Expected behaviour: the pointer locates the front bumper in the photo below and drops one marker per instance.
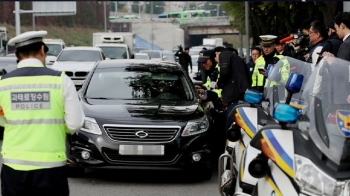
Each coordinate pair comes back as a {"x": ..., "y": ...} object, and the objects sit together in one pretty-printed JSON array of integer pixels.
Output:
[{"x": 104, "y": 153}]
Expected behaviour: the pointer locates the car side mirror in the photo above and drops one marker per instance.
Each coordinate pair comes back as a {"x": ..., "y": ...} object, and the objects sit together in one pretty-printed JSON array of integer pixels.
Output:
[
  {"x": 107, "y": 59},
  {"x": 164, "y": 57}
]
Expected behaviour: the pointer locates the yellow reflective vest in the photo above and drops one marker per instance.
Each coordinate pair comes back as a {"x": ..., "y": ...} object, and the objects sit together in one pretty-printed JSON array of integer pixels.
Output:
[
  {"x": 258, "y": 79},
  {"x": 35, "y": 129},
  {"x": 208, "y": 83}
]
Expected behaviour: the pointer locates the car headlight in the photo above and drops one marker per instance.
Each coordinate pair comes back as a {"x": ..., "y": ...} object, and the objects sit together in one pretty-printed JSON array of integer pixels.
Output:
[
  {"x": 90, "y": 126},
  {"x": 195, "y": 127},
  {"x": 315, "y": 181}
]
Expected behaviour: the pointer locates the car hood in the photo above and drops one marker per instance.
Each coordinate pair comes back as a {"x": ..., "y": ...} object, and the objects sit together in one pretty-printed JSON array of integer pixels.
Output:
[
  {"x": 141, "y": 110},
  {"x": 73, "y": 65}
]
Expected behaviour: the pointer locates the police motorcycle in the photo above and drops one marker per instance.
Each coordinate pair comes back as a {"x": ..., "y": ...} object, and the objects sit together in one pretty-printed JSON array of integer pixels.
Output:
[
  {"x": 308, "y": 158},
  {"x": 234, "y": 178}
]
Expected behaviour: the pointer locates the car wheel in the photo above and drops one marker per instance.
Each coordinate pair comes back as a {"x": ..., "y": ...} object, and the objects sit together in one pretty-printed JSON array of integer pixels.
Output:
[
  {"x": 75, "y": 172},
  {"x": 203, "y": 175}
]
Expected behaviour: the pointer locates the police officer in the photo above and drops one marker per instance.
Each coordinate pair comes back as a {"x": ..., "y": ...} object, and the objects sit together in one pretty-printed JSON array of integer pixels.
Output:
[
  {"x": 40, "y": 107},
  {"x": 269, "y": 57}
]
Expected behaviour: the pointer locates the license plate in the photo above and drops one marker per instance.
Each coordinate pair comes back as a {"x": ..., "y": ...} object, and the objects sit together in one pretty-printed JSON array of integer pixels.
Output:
[
  {"x": 141, "y": 149},
  {"x": 78, "y": 82}
]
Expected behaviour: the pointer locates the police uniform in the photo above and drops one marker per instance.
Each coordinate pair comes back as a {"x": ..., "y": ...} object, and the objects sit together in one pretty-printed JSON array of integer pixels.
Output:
[
  {"x": 40, "y": 106},
  {"x": 259, "y": 81},
  {"x": 203, "y": 57}
]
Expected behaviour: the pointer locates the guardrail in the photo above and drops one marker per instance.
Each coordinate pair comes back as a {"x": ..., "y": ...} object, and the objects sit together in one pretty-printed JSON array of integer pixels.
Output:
[{"x": 221, "y": 20}]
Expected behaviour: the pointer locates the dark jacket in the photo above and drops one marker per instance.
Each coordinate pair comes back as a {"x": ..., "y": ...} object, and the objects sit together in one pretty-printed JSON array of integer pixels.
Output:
[
  {"x": 320, "y": 43},
  {"x": 344, "y": 50},
  {"x": 332, "y": 45},
  {"x": 184, "y": 59},
  {"x": 251, "y": 66},
  {"x": 234, "y": 77}
]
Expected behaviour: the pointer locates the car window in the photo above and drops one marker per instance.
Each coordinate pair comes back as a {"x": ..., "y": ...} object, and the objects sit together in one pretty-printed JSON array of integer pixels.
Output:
[
  {"x": 118, "y": 83},
  {"x": 54, "y": 49},
  {"x": 115, "y": 52},
  {"x": 152, "y": 54},
  {"x": 80, "y": 55},
  {"x": 141, "y": 57}
]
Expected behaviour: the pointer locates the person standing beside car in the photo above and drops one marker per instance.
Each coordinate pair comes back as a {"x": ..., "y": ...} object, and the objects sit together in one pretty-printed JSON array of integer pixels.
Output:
[
  {"x": 184, "y": 59},
  {"x": 40, "y": 107},
  {"x": 234, "y": 81}
]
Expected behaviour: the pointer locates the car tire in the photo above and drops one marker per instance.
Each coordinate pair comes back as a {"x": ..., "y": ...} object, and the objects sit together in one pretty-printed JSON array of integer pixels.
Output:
[
  {"x": 75, "y": 172},
  {"x": 203, "y": 175}
]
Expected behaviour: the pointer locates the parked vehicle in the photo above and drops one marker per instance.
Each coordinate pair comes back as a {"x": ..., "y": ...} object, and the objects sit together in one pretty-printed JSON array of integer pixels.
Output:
[{"x": 142, "y": 114}]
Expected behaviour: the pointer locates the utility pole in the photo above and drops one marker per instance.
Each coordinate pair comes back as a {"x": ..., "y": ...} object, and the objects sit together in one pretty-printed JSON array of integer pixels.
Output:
[
  {"x": 247, "y": 30},
  {"x": 17, "y": 18},
  {"x": 116, "y": 8},
  {"x": 104, "y": 9},
  {"x": 152, "y": 23},
  {"x": 217, "y": 10},
  {"x": 33, "y": 19}
]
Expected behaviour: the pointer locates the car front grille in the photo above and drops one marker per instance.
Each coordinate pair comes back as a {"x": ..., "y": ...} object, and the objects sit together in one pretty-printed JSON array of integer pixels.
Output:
[
  {"x": 114, "y": 157},
  {"x": 77, "y": 74},
  {"x": 148, "y": 133}
]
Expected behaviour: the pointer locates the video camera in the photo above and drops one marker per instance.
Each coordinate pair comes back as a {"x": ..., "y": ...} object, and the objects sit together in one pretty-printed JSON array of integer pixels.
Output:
[{"x": 303, "y": 41}]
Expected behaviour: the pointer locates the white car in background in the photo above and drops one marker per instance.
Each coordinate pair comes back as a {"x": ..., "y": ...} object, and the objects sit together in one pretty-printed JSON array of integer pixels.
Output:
[
  {"x": 77, "y": 62},
  {"x": 141, "y": 56},
  {"x": 168, "y": 56},
  {"x": 154, "y": 54}
]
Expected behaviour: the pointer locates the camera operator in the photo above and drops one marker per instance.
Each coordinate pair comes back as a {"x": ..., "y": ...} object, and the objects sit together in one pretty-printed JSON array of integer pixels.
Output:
[{"x": 301, "y": 44}]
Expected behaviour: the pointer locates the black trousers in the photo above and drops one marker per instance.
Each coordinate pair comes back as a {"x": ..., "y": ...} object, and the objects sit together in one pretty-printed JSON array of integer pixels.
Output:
[{"x": 43, "y": 182}]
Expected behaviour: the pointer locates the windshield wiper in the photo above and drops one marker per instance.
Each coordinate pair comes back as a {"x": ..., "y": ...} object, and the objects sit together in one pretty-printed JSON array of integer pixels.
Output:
[{"x": 159, "y": 106}]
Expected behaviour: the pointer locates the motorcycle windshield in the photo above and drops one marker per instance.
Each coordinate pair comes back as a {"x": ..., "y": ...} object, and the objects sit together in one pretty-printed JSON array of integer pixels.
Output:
[
  {"x": 327, "y": 92},
  {"x": 277, "y": 77}
]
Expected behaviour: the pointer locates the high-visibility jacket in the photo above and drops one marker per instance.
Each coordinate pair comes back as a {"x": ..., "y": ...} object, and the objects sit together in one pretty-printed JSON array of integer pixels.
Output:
[
  {"x": 218, "y": 91},
  {"x": 208, "y": 83},
  {"x": 35, "y": 131},
  {"x": 259, "y": 79}
]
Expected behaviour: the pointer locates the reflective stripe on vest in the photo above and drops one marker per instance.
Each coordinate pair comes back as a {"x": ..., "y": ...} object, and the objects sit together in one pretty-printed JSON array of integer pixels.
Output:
[
  {"x": 35, "y": 163},
  {"x": 35, "y": 129}
]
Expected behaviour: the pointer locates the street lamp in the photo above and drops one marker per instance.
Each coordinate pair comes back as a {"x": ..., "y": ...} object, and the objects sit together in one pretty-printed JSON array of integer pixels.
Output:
[{"x": 217, "y": 9}]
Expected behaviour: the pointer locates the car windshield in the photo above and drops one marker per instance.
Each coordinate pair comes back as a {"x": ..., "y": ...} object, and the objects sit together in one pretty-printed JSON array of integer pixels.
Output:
[
  {"x": 138, "y": 56},
  {"x": 8, "y": 63},
  {"x": 54, "y": 49},
  {"x": 124, "y": 83},
  {"x": 80, "y": 55},
  {"x": 327, "y": 93},
  {"x": 153, "y": 54},
  {"x": 115, "y": 52}
]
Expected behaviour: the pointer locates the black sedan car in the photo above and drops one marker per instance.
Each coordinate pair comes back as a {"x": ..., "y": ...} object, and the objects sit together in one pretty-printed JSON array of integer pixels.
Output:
[{"x": 142, "y": 114}]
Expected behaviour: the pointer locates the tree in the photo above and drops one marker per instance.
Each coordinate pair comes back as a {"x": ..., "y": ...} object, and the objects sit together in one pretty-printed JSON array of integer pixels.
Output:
[
  {"x": 279, "y": 18},
  {"x": 135, "y": 7},
  {"x": 158, "y": 7}
]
